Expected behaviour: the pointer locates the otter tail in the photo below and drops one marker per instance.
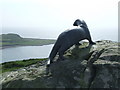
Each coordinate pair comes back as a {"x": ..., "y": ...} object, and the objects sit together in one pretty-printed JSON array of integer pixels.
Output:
[{"x": 53, "y": 52}]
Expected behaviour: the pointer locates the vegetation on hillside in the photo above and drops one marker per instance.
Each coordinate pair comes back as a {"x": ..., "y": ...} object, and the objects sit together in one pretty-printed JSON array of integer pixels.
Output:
[{"x": 16, "y": 40}]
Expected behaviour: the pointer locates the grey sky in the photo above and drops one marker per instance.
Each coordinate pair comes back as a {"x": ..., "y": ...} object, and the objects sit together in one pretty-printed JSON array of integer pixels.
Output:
[{"x": 48, "y": 18}]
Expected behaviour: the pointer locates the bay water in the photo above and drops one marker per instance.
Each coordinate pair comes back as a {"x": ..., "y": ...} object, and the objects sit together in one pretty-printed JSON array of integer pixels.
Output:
[{"x": 25, "y": 52}]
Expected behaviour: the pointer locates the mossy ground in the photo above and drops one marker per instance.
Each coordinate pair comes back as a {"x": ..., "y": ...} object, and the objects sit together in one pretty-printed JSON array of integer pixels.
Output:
[{"x": 14, "y": 65}]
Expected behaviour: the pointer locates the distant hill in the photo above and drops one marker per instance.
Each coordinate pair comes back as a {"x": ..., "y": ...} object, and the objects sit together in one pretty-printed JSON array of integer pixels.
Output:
[{"x": 8, "y": 40}]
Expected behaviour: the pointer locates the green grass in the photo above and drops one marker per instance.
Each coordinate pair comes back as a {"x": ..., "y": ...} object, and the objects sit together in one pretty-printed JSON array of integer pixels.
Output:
[{"x": 14, "y": 65}]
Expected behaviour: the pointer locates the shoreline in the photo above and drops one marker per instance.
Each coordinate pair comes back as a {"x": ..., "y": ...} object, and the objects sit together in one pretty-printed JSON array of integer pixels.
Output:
[
  {"x": 12, "y": 46},
  {"x": 4, "y": 47}
]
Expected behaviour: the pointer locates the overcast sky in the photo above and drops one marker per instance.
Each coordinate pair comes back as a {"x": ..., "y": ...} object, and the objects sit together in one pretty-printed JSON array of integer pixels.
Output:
[{"x": 48, "y": 18}]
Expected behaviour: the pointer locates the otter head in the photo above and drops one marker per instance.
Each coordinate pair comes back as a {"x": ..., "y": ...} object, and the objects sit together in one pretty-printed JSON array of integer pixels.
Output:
[
  {"x": 83, "y": 24},
  {"x": 77, "y": 22},
  {"x": 80, "y": 23}
]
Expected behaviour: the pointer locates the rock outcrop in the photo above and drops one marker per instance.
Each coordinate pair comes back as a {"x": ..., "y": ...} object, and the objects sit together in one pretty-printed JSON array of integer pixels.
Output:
[{"x": 96, "y": 66}]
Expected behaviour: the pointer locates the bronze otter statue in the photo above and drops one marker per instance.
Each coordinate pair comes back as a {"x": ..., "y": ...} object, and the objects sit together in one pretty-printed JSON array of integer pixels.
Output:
[{"x": 69, "y": 38}]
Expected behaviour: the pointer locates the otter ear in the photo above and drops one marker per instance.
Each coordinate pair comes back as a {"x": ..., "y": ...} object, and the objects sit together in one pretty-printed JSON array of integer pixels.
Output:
[{"x": 84, "y": 23}]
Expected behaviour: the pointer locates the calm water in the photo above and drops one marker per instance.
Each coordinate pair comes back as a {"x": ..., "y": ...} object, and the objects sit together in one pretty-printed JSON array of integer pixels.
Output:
[{"x": 25, "y": 52}]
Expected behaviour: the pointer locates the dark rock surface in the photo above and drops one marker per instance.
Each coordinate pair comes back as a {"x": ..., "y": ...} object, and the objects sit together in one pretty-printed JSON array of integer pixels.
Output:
[{"x": 96, "y": 66}]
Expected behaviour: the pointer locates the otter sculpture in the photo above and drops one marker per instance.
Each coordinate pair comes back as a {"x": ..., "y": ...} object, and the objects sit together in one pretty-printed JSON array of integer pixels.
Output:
[{"x": 69, "y": 38}]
